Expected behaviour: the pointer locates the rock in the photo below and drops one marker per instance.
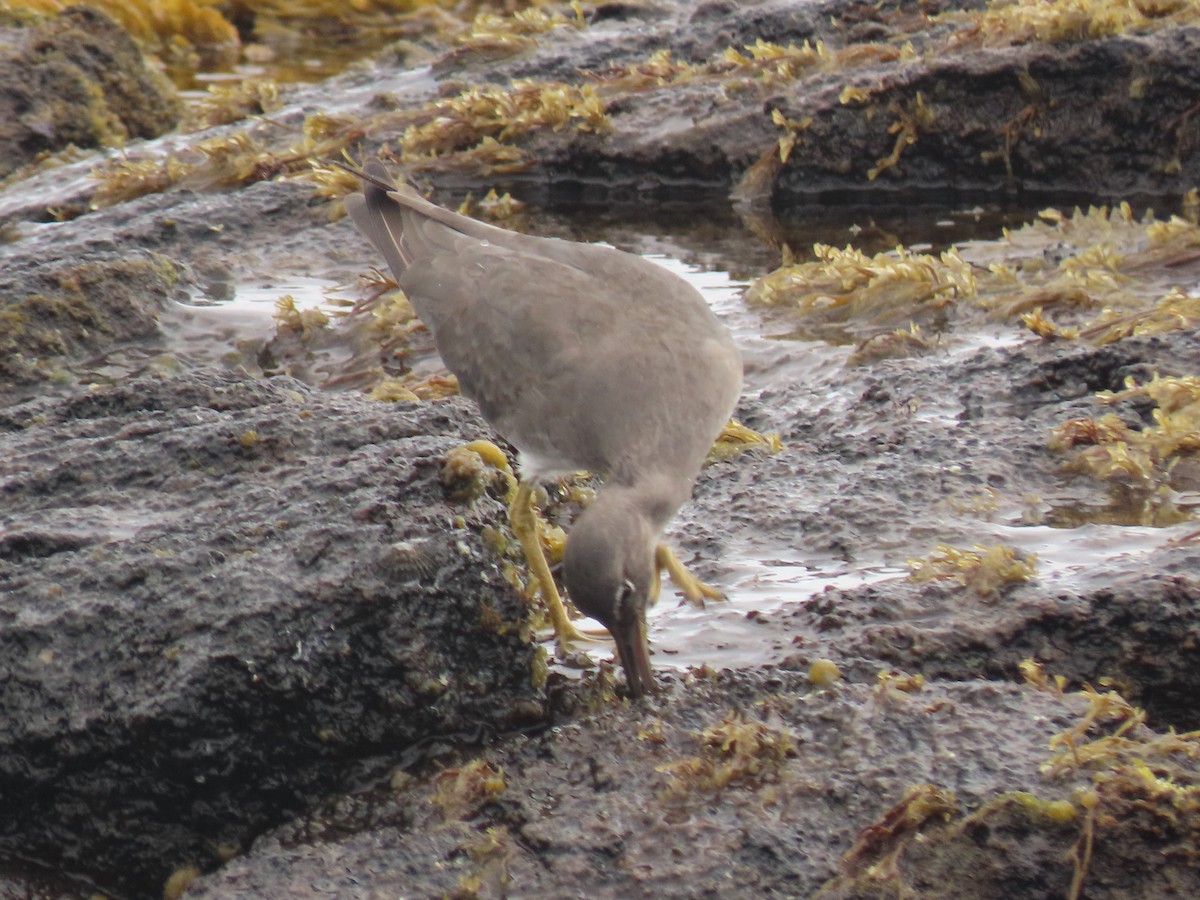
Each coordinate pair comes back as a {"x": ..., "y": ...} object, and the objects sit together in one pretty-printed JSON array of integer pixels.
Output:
[
  {"x": 744, "y": 785},
  {"x": 79, "y": 79},
  {"x": 217, "y": 596},
  {"x": 55, "y": 312},
  {"x": 770, "y": 99},
  {"x": 252, "y": 582}
]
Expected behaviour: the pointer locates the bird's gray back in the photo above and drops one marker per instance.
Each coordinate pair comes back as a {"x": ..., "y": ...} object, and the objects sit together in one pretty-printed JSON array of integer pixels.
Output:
[{"x": 583, "y": 356}]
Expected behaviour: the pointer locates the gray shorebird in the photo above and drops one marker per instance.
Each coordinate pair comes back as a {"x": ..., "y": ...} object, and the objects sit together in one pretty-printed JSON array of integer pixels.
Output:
[{"x": 584, "y": 358}]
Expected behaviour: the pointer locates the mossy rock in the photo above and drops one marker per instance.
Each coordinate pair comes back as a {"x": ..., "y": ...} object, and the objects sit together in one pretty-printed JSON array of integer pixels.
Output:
[
  {"x": 77, "y": 79},
  {"x": 64, "y": 310}
]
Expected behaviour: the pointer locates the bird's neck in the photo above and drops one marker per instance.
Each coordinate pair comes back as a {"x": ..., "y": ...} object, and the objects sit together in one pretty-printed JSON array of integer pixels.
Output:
[{"x": 654, "y": 497}]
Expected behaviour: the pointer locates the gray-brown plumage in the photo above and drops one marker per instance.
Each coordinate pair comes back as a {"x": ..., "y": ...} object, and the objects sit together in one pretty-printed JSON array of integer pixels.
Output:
[{"x": 583, "y": 357}]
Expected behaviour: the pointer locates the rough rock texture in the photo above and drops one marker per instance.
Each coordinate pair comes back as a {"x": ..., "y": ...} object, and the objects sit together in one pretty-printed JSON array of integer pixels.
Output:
[
  {"x": 76, "y": 79},
  {"x": 965, "y": 109},
  {"x": 743, "y": 785},
  {"x": 241, "y": 624},
  {"x": 984, "y": 424},
  {"x": 635, "y": 801},
  {"x": 215, "y": 595},
  {"x": 55, "y": 310},
  {"x": 80, "y": 294},
  {"x": 904, "y": 102},
  {"x": 1140, "y": 628},
  {"x": 1101, "y": 118}
]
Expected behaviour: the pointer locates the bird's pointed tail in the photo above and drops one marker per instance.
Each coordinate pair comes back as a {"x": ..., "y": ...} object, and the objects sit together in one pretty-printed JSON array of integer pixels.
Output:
[{"x": 377, "y": 215}]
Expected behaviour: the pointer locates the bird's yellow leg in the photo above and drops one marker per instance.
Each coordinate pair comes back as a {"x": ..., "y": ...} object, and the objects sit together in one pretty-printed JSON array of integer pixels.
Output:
[
  {"x": 524, "y": 522},
  {"x": 528, "y": 528},
  {"x": 693, "y": 588}
]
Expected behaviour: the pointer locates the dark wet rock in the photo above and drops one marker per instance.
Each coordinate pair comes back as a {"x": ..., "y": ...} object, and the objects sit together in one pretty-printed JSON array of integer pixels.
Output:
[
  {"x": 650, "y": 801},
  {"x": 1141, "y": 629},
  {"x": 962, "y": 114},
  {"x": 894, "y": 784},
  {"x": 1033, "y": 118},
  {"x": 79, "y": 296},
  {"x": 979, "y": 426},
  {"x": 79, "y": 79},
  {"x": 218, "y": 595}
]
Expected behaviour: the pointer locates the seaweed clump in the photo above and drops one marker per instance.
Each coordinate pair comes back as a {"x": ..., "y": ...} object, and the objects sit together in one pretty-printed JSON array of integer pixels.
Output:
[
  {"x": 847, "y": 295},
  {"x": 475, "y": 129},
  {"x": 1144, "y": 785},
  {"x": 738, "y": 750},
  {"x": 1096, "y": 275},
  {"x": 189, "y": 34},
  {"x": 984, "y": 570},
  {"x": 877, "y": 850},
  {"x": 225, "y": 104},
  {"x": 466, "y": 121},
  {"x": 1105, "y": 258},
  {"x": 493, "y": 36},
  {"x": 1118, "y": 815},
  {"x": 1160, "y": 454},
  {"x": 229, "y": 159},
  {"x": 1021, "y": 21}
]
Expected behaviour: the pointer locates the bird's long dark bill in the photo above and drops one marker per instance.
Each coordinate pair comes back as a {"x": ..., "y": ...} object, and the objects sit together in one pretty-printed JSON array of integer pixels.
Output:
[{"x": 635, "y": 658}]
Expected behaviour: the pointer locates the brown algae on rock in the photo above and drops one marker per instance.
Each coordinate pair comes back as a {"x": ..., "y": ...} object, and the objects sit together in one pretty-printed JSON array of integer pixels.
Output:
[
  {"x": 1103, "y": 259},
  {"x": 1144, "y": 790},
  {"x": 459, "y": 792},
  {"x": 739, "y": 750},
  {"x": 61, "y": 311},
  {"x": 1147, "y": 463},
  {"x": 984, "y": 570},
  {"x": 463, "y": 122},
  {"x": 1071, "y": 269},
  {"x": 76, "y": 79}
]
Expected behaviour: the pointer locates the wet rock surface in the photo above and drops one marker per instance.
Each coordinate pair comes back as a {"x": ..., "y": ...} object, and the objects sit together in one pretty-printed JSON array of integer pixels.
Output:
[
  {"x": 57, "y": 310},
  {"x": 905, "y": 442},
  {"x": 246, "y": 635},
  {"x": 217, "y": 595},
  {"x": 905, "y": 99},
  {"x": 634, "y": 801}
]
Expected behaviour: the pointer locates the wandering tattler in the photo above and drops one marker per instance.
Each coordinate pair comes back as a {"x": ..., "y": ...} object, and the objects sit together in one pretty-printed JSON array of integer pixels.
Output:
[{"x": 584, "y": 358}]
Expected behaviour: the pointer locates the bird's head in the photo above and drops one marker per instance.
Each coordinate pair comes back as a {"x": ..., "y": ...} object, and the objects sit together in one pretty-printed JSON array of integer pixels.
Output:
[{"x": 609, "y": 570}]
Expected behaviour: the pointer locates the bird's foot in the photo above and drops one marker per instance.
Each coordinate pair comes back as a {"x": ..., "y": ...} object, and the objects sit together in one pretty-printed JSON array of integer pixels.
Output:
[
  {"x": 693, "y": 588},
  {"x": 566, "y": 634}
]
